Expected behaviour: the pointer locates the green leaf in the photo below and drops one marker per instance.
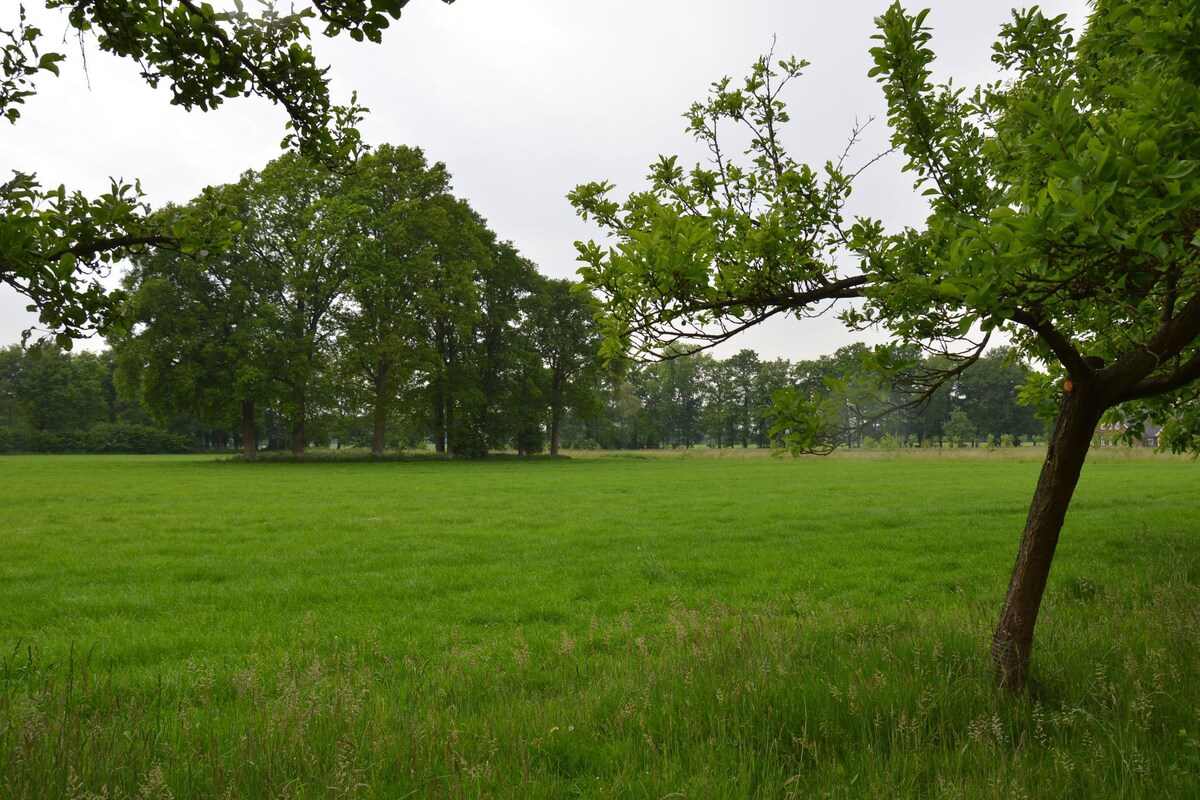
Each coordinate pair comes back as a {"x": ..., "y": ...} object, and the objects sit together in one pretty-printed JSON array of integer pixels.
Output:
[{"x": 1147, "y": 152}]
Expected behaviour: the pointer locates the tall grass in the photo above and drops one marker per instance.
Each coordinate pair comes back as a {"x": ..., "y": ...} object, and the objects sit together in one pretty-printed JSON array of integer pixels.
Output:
[{"x": 598, "y": 628}]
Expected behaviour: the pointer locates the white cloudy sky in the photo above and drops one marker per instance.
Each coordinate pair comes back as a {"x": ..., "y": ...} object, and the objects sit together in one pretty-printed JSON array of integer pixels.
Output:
[{"x": 522, "y": 99}]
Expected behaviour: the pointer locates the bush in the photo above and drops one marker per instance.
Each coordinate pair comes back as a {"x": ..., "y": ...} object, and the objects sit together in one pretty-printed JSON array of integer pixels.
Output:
[
  {"x": 103, "y": 438},
  {"x": 890, "y": 441},
  {"x": 121, "y": 438},
  {"x": 14, "y": 440}
]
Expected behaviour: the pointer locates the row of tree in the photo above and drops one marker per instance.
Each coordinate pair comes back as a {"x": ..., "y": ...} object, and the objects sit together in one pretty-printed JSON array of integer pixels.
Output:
[
  {"x": 699, "y": 399},
  {"x": 371, "y": 294},
  {"x": 55, "y": 401}
]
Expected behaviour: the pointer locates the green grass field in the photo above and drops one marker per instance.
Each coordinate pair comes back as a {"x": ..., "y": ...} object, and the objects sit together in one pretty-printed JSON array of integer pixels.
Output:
[{"x": 601, "y": 626}]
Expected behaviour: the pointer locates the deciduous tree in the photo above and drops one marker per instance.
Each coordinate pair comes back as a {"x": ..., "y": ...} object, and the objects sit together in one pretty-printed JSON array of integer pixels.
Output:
[
  {"x": 395, "y": 244},
  {"x": 1064, "y": 205},
  {"x": 562, "y": 329}
]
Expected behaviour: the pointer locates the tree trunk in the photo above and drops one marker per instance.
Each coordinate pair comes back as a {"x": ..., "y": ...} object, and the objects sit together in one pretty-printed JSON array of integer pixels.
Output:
[
  {"x": 555, "y": 420},
  {"x": 1065, "y": 454},
  {"x": 298, "y": 437},
  {"x": 249, "y": 438},
  {"x": 439, "y": 425},
  {"x": 298, "y": 426},
  {"x": 379, "y": 429}
]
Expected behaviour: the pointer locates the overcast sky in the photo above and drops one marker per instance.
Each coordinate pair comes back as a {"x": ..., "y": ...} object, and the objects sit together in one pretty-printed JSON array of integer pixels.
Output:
[{"x": 522, "y": 99}]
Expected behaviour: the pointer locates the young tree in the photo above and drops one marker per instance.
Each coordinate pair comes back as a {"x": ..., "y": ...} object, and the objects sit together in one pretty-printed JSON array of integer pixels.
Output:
[
  {"x": 58, "y": 243},
  {"x": 1064, "y": 207},
  {"x": 959, "y": 429}
]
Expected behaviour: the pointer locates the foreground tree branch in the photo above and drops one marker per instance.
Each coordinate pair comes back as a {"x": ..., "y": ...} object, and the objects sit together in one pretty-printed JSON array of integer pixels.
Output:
[{"x": 58, "y": 245}]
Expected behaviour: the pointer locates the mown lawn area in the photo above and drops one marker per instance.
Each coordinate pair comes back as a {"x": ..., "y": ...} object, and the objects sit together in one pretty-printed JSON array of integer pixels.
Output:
[{"x": 599, "y": 626}]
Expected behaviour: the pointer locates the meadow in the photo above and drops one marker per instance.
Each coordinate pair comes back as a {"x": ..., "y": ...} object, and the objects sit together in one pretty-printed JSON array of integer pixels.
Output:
[{"x": 631, "y": 625}]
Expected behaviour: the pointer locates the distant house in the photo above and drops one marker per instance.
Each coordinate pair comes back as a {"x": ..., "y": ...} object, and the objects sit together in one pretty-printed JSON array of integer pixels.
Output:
[{"x": 1108, "y": 432}]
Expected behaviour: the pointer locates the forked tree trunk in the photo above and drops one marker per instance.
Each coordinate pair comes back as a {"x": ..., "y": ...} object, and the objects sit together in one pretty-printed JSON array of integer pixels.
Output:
[
  {"x": 249, "y": 439},
  {"x": 1065, "y": 454}
]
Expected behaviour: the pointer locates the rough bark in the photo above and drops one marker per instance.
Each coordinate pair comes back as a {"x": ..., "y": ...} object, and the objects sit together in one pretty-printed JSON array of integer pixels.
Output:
[
  {"x": 249, "y": 438},
  {"x": 379, "y": 428},
  {"x": 1065, "y": 454}
]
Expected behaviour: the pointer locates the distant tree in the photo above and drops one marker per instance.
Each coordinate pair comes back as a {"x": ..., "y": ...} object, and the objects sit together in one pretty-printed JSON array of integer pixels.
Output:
[
  {"x": 51, "y": 390},
  {"x": 959, "y": 428},
  {"x": 988, "y": 394},
  {"x": 202, "y": 340},
  {"x": 396, "y": 237},
  {"x": 1063, "y": 210},
  {"x": 719, "y": 417},
  {"x": 12, "y": 363},
  {"x": 743, "y": 369},
  {"x": 772, "y": 377},
  {"x": 561, "y": 327}
]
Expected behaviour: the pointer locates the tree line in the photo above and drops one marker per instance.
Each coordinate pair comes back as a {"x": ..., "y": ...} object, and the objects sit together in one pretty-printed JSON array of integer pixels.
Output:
[
  {"x": 698, "y": 399},
  {"x": 54, "y": 401}
]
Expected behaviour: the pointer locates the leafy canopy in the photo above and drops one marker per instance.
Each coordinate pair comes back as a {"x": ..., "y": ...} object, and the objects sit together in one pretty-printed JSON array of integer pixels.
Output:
[{"x": 55, "y": 244}]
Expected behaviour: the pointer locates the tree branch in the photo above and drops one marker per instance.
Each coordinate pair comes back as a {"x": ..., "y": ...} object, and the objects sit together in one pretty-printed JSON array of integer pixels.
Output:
[
  {"x": 1060, "y": 345},
  {"x": 1186, "y": 373}
]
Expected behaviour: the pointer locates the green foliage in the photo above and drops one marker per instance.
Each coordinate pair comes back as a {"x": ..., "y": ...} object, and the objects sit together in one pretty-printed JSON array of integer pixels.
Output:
[
  {"x": 55, "y": 244},
  {"x": 960, "y": 430},
  {"x": 57, "y": 402},
  {"x": 350, "y": 301}
]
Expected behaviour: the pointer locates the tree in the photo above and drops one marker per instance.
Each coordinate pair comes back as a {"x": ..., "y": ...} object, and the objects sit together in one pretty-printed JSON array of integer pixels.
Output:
[
  {"x": 720, "y": 410},
  {"x": 202, "y": 337},
  {"x": 959, "y": 428},
  {"x": 1063, "y": 210},
  {"x": 562, "y": 328},
  {"x": 57, "y": 244},
  {"x": 296, "y": 232},
  {"x": 49, "y": 390},
  {"x": 504, "y": 399},
  {"x": 988, "y": 392},
  {"x": 395, "y": 241}
]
